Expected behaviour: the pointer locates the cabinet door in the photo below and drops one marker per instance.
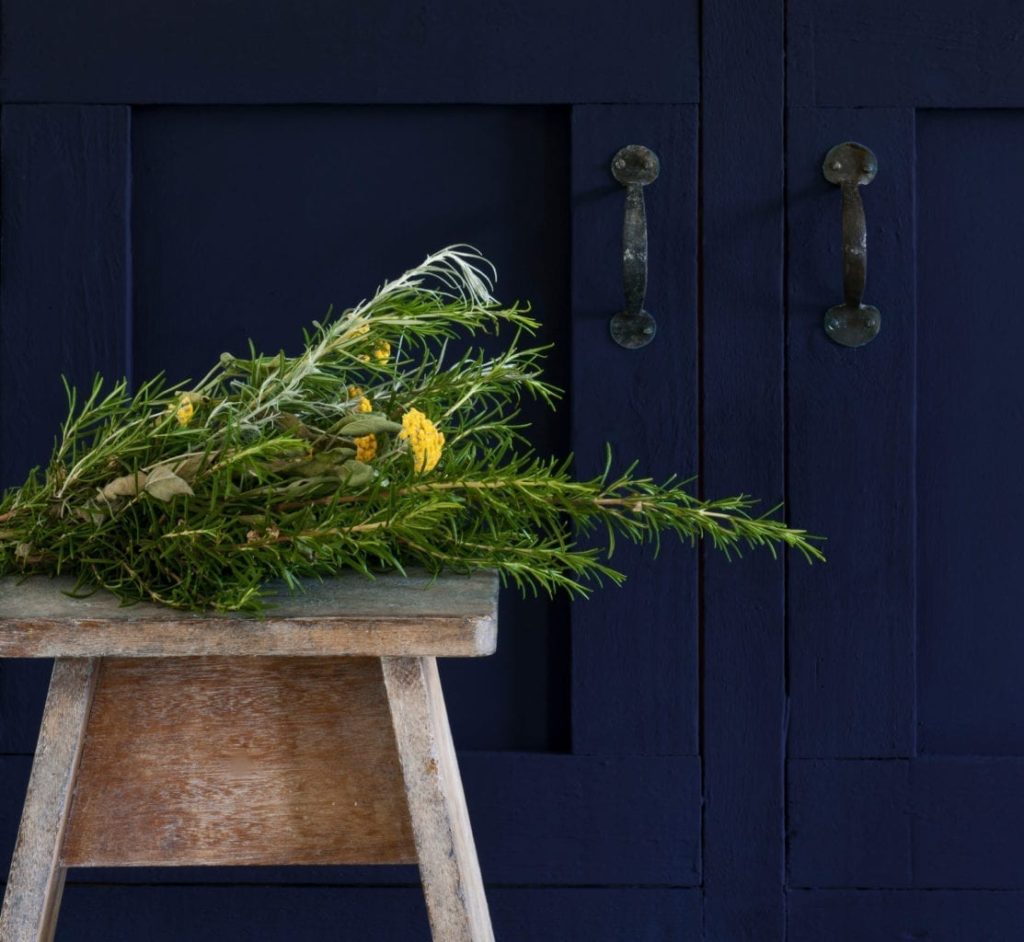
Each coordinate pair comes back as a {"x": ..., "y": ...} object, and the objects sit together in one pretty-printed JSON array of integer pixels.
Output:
[
  {"x": 906, "y": 735},
  {"x": 180, "y": 178}
]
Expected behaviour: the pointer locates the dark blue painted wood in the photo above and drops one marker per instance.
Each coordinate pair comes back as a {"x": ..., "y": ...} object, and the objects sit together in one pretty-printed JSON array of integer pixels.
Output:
[
  {"x": 902, "y": 658},
  {"x": 915, "y": 53},
  {"x": 634, "y": 651},
  {"x": 269, "y": 51},
  {"x": 64, "y": 254},
  {"x": 742, "y": 450},
  {"x": 850, "y": 427},
  {"x": 538, "y": 819},
  {"x": 294, "y": 914},
  {"x": 22, "y": 693},
  {"x": 856, "y": 916},
  {"x": 971, "y": 700},
  {"x": 924, "y": 823},
  {"x": 849, "y": 823}
]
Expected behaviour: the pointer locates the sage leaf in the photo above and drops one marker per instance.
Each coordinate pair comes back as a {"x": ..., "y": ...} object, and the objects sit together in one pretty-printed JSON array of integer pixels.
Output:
[
  {"x": 369, "y": 424},
  {"x": 356, "y": 474}
]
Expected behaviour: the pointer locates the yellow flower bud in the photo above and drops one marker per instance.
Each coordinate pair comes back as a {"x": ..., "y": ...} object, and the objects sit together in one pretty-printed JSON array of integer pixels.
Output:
[{"x": 185, "y": 411}]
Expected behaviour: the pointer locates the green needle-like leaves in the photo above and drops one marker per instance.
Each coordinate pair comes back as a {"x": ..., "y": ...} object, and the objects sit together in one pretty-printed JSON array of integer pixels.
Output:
[{"x": 373, "y": 448}]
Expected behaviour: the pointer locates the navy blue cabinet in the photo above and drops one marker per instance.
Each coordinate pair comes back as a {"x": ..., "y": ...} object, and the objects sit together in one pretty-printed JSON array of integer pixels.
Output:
[
  {"x": 905, "y": 749},
  {"x": 747, "y": 750}
]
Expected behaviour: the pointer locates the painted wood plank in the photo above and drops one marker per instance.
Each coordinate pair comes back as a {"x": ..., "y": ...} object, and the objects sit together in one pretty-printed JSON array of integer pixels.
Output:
[
  {"x": 566, "y": 819},
  {"x": 36, "y": 877},
  {"x": 268, "y": 51},
  {"x": 928, "y": 823},
  {"x": 850, "y": 428},
  {"x": 213, "y": 914},
  {"x": 452, "y": 884},
  {"x": 64, "y": 305},
  {"x": 854, "y": 916},
  {"x": 239, "y": 761},
  {"x": 742, "y": 450},
  {"x": 533, "y": 820},
  {"x": 344, "y": 615},
  {"x": 970, "y": 645},
  {"x": 23, "y": 685},
  {"x": 634, "y": 651},
  {"x": 848, "y": 823},
  {"x": 918, "y": 53}
]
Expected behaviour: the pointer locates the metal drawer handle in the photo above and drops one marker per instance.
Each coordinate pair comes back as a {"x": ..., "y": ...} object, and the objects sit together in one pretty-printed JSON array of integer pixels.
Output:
[
  {"x": 634, "y": 167},
  {"x": 852, "y": 323}
]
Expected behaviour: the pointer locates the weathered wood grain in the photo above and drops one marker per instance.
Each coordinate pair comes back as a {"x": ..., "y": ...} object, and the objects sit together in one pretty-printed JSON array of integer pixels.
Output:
[
  {"x": 239, "y": 761},
  {"x": 448, "y": 863},
  {"x": 451, "y": 616},
  {"x": 36, "y": 878}
]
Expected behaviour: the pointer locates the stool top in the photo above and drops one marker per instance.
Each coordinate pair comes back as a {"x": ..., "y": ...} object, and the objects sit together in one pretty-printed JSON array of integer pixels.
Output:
[{"x": 389, "y": 615}]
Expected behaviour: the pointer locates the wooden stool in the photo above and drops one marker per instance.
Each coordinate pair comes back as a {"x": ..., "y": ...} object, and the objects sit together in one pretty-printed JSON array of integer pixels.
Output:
[{"x": 315, "y": 735}]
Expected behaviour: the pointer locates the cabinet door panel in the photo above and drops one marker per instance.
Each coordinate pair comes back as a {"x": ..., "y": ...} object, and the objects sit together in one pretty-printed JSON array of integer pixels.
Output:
[{"x": 906, "y": 743}]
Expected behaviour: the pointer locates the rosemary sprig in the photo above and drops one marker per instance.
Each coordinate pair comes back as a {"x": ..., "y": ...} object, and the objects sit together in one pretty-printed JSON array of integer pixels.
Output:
[{"x": 373, "y": 448}]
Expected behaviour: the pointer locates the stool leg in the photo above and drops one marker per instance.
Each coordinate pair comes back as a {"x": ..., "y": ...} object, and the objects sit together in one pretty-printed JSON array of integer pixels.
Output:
[
  {"x": 449, "y": 869},
  {"x": 36, "y": 879}
]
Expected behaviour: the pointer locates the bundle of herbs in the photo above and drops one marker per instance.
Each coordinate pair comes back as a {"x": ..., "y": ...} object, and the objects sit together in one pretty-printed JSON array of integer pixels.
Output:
[{"x": 373, "y": 448}]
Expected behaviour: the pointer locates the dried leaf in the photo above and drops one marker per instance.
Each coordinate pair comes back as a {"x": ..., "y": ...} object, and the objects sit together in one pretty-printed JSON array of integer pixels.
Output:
[
  {"x": 127, "y": 486},
  {"x": 189, "y": 468},
  {"x": 163, "y": 484}
]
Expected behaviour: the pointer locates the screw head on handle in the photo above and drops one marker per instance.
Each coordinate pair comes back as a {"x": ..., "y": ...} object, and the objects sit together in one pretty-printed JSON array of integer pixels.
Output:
[
  {"x": 851, "y": 325},
  {"x": 635, "y": 164}
]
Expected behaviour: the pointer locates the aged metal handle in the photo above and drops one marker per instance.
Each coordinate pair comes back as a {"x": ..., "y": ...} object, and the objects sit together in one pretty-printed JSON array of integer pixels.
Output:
[
  {"x": 634, "y": 167},
  {"x": 852, "y": 323}
]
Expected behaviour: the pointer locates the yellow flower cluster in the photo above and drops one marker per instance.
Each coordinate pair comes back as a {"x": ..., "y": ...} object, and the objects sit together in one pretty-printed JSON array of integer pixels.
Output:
[
  {"x": 366, "y": 445},
  {"x": 364, "y": 404},
  {"x": 186, "y": 409},
  {"x": 425, "y": 440},
  {"x": 381, "y": 353}
]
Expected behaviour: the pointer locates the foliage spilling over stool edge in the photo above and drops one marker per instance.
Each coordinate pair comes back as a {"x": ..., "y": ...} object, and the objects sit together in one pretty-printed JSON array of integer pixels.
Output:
[{"x": 374, "y": 447}]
